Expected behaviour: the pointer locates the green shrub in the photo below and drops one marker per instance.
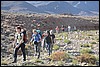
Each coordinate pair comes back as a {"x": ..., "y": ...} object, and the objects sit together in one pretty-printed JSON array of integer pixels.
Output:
[
  {"x": 59, "y": 55},
  {"x": 67, "y": 41},
  {"x": 93, "y": 43},
  {"x": 87, "y": 58},
  {"x": 97, "y": 39},
  {"x": 38, "y": 61},
  {"x": 86, "y": 45},
  {"x": 97, "y": 58},
  {"x": 4, "y": 62},
  {"x": 58, "y": 38},
  {"x": 90, "y": 35},
  {"x": 74, "y": 61},
  {"x": 85, "y": 50},
  {"x": 55, "y": 47}
]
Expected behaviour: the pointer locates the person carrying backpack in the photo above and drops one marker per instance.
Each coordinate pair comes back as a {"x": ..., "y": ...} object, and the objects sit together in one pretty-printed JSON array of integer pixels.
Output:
[
  {"x": 36, "y": 39},
  {"x": 19, "y": 43},
  {"x": 49, "y": 42}
]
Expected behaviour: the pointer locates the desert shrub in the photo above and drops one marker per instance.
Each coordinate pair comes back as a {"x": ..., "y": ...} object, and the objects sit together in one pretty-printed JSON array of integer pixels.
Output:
[
  {"x": 59, "y": 55},
  {"x": 74, "y": 61},
  {"x": 85, "y": 50},
  {"x": 87, "y": 58},
  {"x": 65, "y": 34},
  {"x": 90, "y": 35},
  {"x": 93, "y": 42},
  {"x": 67, "y": 41},
  {"x": 86, "y": 45},
  {"x": 60, "y": 63},
  {"x": 97, "y": 58},
  {"x": 56, "y": 47},
  {"x": 59, "y": 38},
  {"x": 4, "y": 62},
  {"x": 38, "y": 61},
  {"x": 97, "y": 39}
]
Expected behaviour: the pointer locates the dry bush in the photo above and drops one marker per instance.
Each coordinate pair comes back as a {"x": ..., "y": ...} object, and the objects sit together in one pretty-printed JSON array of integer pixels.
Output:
[
  {"x": 59, "y": 55},
  {"x": 88, "y": 58}
]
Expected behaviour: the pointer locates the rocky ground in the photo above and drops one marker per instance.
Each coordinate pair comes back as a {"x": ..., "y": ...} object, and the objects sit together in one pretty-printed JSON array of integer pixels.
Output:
[
  {"x": 71, "y": 43},
  {"x": 73, "y": 48}
]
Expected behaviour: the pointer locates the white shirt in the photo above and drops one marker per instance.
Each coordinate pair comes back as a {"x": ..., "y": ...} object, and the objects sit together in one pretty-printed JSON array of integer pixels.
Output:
[{"x": 18, "y": 36}]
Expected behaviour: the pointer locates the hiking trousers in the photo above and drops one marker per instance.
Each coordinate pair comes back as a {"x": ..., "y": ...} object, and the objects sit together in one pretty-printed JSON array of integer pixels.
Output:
[
  {"x": 37, "y": 48},
  {"x": 49, "y": 48},
  {"x": 23, "y": 52}
]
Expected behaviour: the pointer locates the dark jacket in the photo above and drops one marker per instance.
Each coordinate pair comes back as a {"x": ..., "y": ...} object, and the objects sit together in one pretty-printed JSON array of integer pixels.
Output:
[{"x": 48, "y": 39}]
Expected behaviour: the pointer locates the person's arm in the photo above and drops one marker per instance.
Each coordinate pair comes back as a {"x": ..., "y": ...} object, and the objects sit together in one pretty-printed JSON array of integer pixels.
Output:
[
  {"x": 15, "y": 40},
  {"x": 30, "y": 42},
  {"x": 54, "y": 38},
  {"x": 32, "y": 39},
  {"x": 40, "y": 37}
]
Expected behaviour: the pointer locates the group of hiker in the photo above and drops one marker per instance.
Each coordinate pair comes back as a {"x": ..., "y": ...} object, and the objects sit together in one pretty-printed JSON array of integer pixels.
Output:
[
  {"x": 38, "y": 39},
  {"x": 64, "y": 28}
]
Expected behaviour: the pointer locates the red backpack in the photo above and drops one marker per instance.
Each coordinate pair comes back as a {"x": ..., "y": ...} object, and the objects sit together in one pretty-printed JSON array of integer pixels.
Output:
[{"x": 25, "y": 37}]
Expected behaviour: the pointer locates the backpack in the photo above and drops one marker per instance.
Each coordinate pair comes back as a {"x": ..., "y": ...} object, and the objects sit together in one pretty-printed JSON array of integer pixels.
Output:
[
  {"x": 35, "y": 42},
  {"x": 39, "y": 32},
  {"x": 25, "y": 36}
]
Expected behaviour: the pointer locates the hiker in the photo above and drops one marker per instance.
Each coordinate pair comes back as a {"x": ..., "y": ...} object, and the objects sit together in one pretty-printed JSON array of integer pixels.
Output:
[
  {"x": 69, "y": 28},
  {"x": 18, "y": 42},
  {"x": 49, "y": 42},
  {"x": 52, "y": 36},
  {"x": 74, "y": 28},
  {"x": 57, "y": 29},
  {"x": 62, "y": 28},
  {"x": 36, "y": 39}
]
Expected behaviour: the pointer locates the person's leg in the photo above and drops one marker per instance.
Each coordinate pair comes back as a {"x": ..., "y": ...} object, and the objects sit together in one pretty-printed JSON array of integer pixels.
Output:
[
  {"x": 39, "y": 49},
  {"x": 23, "y": 51},
  {"x": 49, "y": 48},
  {"x": 35, "y": 49},
  {"x": 15, "y": 54}
]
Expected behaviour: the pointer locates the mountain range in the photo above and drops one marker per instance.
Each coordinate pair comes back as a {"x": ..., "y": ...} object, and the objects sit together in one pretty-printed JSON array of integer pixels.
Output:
[{"x": 55, "y": 7}]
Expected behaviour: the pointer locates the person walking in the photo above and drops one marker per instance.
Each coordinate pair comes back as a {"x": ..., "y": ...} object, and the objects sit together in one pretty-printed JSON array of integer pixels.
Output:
[
  {"x": 36, "y": 39},
  {"x": 19, "y": 43},
  {"x": 49, "y": 42},
  {"x": 57, "y": 29}
]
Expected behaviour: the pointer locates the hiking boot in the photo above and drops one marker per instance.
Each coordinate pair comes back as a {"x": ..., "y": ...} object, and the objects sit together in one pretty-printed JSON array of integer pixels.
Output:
[
  {"x": 38, "y": 57},
  {"x": 35, "y": 54},
  {"x": 14, "y": 62},
  {"x": 24, "y": 59}
]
